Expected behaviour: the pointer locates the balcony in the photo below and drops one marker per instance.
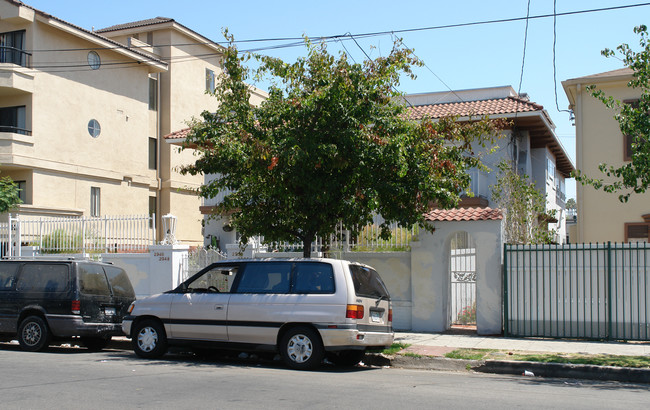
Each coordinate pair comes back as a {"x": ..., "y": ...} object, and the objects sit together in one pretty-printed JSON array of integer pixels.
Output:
[{"x": 14, "y": 80}]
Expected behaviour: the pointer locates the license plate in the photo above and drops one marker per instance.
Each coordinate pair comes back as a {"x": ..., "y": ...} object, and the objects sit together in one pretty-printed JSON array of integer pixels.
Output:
[
  {"x": 109, "y": 311},
  {"x": 375, "y": 315}
]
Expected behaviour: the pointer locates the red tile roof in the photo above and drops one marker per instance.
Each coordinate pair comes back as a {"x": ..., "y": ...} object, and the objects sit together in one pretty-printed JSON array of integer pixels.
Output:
[
  {"x": 508, "y": 105},
  {"x": 464, "y": 214},
  {"x": 134, "y": 24},
  {"x": 178, "y": 134}
]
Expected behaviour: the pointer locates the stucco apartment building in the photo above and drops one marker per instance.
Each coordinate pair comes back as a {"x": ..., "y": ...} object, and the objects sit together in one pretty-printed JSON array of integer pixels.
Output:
[
  {"x": 529, "y": 144},
  {"x": 601, "y": 216},
  {"x": 82, "y": 115}
]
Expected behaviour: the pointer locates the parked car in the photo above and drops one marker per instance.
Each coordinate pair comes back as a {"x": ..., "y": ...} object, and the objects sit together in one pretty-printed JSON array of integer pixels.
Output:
[
  {"x": 46, "y": 300},
  {"x": 305, "y": 309}
]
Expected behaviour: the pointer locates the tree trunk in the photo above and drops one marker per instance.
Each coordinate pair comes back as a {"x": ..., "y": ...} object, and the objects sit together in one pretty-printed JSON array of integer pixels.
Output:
[{"x": 306, "y": 246}]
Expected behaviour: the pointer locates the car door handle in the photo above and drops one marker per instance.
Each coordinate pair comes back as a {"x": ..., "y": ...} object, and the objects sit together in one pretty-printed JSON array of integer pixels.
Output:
[{"x": 218, "y": 307}]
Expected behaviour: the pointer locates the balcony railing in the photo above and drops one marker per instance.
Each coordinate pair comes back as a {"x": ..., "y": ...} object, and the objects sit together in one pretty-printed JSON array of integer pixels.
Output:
[
  {"x": 16, "y": 56},
  {"x": 15, "y": 130}
]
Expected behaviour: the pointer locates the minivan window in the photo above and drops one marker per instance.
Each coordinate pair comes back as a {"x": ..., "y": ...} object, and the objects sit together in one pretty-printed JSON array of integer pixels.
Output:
[
  {"x": 8, "y": 275},
  {"x": 314, "y": 278},
  {"x": 92, "y": 280},
  {"x": 367, "y": 282},
  {"x": 42, "y": 277},
  {"x": 265, "y": 278},
  {"x": 119, "y": 281},
  {"x": 220, "y": 278}
]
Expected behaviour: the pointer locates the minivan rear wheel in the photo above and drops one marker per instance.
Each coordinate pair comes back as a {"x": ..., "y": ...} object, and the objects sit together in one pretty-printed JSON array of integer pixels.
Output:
[
  {"x": 149, "y": 339},
  {"x": 301, "y": 348},
  {"x": 33, "y": 334}
]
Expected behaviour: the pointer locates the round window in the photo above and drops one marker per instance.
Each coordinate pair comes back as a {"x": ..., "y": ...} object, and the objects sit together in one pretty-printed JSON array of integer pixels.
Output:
[
  {"x": 94, "y": 129},
  {"x": 93, "y": 60}
]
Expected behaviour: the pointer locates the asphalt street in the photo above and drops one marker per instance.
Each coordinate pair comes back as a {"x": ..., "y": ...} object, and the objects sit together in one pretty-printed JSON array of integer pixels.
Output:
[{"x": 78, "y": 379}]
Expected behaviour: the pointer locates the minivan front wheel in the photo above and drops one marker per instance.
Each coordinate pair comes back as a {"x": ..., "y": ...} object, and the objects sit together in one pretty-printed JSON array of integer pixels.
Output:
[
  {"x": 149, "y": 339},
  {"x": 301, "y": 348},
  {"x": 33, "y": 334}
]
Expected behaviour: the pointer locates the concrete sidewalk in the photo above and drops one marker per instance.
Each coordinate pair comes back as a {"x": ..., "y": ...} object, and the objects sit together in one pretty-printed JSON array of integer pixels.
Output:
[
  {"x": 429, "y": 349},
  {"x": 443, "y": 342}
]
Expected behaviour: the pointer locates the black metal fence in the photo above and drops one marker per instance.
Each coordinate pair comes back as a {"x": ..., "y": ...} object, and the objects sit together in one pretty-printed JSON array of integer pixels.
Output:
[{"x": 590, "y": 291}]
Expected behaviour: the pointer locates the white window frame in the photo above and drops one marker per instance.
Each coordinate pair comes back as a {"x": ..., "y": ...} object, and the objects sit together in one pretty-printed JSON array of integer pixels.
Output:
[{"x": 95, "y": 201}]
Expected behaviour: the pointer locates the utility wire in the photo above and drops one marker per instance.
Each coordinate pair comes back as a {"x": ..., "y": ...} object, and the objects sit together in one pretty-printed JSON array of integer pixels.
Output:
[
  {"x": 557, "y": 105},
  {"x": 298, "y": 41}
]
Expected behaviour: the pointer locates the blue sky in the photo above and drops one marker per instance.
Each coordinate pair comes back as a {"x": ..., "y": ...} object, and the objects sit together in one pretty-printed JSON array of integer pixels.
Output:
[{"x": 463, "y": 58}]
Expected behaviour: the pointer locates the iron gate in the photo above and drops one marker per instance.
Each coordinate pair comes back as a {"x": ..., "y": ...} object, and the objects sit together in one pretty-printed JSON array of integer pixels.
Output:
[{"x": 590, "y": 291}]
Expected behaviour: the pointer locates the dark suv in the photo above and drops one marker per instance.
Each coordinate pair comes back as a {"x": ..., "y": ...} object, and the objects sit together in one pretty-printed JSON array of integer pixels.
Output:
[{"x": 46, "y": 300}]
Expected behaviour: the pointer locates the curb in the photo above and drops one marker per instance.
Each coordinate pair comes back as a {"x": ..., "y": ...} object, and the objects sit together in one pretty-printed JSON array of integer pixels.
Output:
[
  {"x": 567, "y": 371},
  {"x": 553, "y": 370}
]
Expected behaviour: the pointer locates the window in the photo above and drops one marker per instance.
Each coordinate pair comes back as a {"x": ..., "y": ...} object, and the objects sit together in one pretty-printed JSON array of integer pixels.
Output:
[
  {"x": 209, "y": 80},
  {"x": 119, "y": 282},
  {"x": 8, "y": 275},
  {"x": 265, "y": 278},
  {"x": 153, "y": 153},
  {"x": 367, "y": 282},
  {"x": 628, "y": 140},
  {"x": 636, "y": 232},
  {"x": 37, "y": 277},
  {"x": 94, "y": 201},
  {"x": 92, "y": 280},
  {"x": 94, "y": 129},
  {"x": 12, "y": 48},
  {"x": 153, "y": 203},
  {"x": 22, "y": 190},
  {"x": 93, "y": 60},
  {"x": 218, "y": 279},
  {"x": 550, "y": 169},
  {"x": 12, "y": 119},
  {"x": 314, "y": 278},
  {"x": 627, "y": 147},
  {"x": 153, "y": 93}
]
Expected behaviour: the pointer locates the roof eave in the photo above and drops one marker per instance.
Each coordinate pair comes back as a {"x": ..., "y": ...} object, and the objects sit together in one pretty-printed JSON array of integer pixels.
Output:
[{"x": 155, "y": 64}]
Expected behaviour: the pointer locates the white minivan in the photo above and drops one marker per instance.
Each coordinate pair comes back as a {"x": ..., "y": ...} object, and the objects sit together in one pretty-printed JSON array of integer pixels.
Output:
[{"x": 305, "y": 309}]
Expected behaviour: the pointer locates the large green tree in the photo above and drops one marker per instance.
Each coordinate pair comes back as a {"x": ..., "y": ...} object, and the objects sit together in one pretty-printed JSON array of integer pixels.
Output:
[
  {"x": 9, "y": 194},
  {"x": 331, "y": 143},
  {"x": 633, "y": 119}
]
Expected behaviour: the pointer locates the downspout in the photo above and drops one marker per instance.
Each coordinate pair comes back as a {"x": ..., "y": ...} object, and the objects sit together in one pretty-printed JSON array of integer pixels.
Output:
[
  {"x": 158, "y": 156},
  {"x": 579, "y": 154}
]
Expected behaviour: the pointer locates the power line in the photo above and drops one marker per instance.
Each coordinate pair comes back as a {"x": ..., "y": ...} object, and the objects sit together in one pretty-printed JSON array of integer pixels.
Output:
[
  {"x": 557, "y": 105},
  {"x": 298, "y": 41},
  {"x": 523, "y": 58}
]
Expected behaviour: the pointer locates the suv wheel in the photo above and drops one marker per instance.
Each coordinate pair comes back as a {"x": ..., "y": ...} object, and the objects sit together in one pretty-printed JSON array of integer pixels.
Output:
[
  {"x": 95, "y": 344},
  {"x": 149, "y": 339},
  {"x": 301, "y": 348},
  {"x": 33, "y": 334}
]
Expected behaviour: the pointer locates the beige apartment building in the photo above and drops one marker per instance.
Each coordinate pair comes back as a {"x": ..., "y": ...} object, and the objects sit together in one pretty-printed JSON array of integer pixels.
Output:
[
  {"x": 83, "y": 113},
  {"x": 601, "y": 216}
]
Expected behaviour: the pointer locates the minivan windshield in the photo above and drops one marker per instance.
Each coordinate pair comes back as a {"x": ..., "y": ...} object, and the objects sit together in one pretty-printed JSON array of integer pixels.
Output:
[{"x": 368, "y": 283}]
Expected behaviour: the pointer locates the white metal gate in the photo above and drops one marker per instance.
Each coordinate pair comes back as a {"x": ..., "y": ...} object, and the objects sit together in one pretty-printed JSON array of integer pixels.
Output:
[
  {"x": 463, "y": 280},
  {"x": 198, "y": 259}
]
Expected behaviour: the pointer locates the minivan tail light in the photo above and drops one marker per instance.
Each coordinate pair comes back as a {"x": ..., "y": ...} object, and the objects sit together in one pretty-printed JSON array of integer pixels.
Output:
[
  {"x": 354, "y": 312},
  {"x": 390, "y": 315},
  {"x": 76, "y": 307}
]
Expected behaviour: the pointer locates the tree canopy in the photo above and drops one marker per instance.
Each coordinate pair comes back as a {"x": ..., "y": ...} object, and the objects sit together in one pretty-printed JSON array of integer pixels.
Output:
[
  {"x": 332, "y": 143},
  {"x": 9, "y": 197},
  {"x": 633, "y": 119}
]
